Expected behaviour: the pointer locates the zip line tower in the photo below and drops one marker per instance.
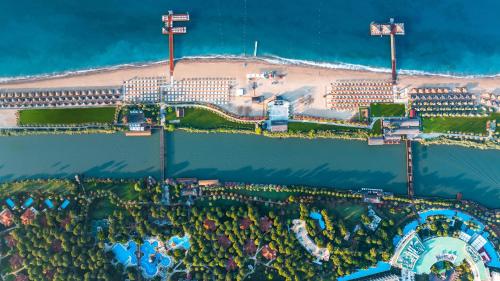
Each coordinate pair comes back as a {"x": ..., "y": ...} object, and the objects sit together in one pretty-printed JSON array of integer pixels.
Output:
[
  {"x": 389, "y": 29},
  {"x": 170, "y": 30}
]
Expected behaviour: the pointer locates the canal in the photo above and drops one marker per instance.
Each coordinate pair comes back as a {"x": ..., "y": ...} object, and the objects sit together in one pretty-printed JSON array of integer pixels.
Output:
[{"x": 439, "y": 170}]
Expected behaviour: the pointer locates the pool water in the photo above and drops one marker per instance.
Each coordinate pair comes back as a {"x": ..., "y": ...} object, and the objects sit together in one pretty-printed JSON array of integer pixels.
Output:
[
  {"x": 317, "y": 216},
  {"x": 126, "y": 254},
  {"x": 153, "y": 255},
  {"x": 176, "y": 242},
  {"x": 151, "y": 259}
]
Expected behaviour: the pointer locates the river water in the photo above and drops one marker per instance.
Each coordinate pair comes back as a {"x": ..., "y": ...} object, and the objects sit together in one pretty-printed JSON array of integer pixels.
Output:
[{"x": 439, "y": 170}]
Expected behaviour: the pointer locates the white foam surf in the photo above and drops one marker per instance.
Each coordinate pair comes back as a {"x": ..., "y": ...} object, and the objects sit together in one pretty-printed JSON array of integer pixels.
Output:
[{"x": 268, "y": 59}]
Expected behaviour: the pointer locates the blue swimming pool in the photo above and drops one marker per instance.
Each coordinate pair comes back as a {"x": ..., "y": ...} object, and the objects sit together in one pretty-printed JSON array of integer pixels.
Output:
[
  {"x": 381, "y": 267},
  {"x": 28, "y": 202},
  {"x": 49, "y": 203},
  {"x": 176, "y": 242},
  {"x": 151, "y": 259},
  {"x": 125, "y": 254},
  {"x": 317, "y": 216}
]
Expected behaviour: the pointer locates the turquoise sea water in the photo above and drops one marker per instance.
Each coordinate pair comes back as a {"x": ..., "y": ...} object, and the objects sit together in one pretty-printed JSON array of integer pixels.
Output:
[{"x": 448, "y": 36}]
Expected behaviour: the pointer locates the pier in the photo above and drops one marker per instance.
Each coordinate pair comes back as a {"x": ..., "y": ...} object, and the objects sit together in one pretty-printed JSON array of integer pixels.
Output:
[
  {"x": 162, "y": 154},
  {"x": 170, "y": 30},
  {"x": 390, "y": 29},
  {"x": 409, "y": 168}
]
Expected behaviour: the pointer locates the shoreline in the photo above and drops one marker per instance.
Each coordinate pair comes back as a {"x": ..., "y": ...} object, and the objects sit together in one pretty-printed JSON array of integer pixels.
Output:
[
  {"x": 438, "y": 201},
  {"x": 146, "y": 67},
  {"x": 276, "y": 60},
  {"x": 439, "y": 141}
]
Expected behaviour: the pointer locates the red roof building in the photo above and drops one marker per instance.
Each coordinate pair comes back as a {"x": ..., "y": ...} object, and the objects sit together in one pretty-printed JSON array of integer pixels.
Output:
[
  {"x": 231, "y": 265},
  {"x": 265, "y": 224},
  {"x": 209, "y": 225},
  {"x": 29, "y": 216},
  {"x": 16, "y": 261},
  {"x": 21, "y": 277},
  {"x": 245, "y": 223},
  {"x": 250, "y": 247},
  {"x": 268, "y": 253},
  {"x": 10, "y": 241},
  {"x": 6, "y": 217},
  {"x": 224, "y": 241}
]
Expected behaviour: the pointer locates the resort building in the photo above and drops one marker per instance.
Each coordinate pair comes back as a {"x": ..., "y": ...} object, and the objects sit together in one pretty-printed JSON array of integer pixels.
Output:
[
  {"x": 472, "y": 246},
  {"x": 350, "y": 95},
  {"x": 268, "y": 253},
  {"x": 144, "y": 89},
  {"x": 60, "y": 97},
  {"x": 478, "y": 242},
  {"x": 200, "y": 90},
  {"x": 491, "y": 100},
  {"x": 135, "y": 120},
  {"x": 29, "y": 216},
  {"x": 299, "y": 228},
  {"x": 6, "y": 217},
  {"x": 443, "y": 101},
  {"x": 278, "y": 112},
  {"x": 394, "y": 129},
  {"x": 375, "y": 219},
  {"x": 205, "y": 183}
]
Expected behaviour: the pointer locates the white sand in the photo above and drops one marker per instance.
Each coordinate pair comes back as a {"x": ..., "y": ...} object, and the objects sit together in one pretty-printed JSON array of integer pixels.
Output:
[
  {"x": 8, "y": 118},
  {"x": 299, "y": 82}
]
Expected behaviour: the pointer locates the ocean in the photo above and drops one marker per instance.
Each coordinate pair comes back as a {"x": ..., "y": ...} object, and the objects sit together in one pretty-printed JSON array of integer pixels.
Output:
[{"x": 455, "y": 37}]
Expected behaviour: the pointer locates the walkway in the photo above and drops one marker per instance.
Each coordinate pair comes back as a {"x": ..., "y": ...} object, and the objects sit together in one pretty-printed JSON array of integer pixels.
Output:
[
  {"x": 221, "y": 111},
  {"x": 162, "y": 155},
  {"x": 409, "y": 168}
]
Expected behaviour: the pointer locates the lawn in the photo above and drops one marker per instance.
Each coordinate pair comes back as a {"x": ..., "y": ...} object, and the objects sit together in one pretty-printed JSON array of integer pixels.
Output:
[
  {"x": 307, "y": 126},
  {"x": 476, "y": 125},
  {"x": 54, "y": 186},
  {"x": 197, "y": 118},
  {"x": 349, "y": 212},
  {"x": 377, "y": 127},
  {"x": 123, "y": 190},
  {"x": 66, "y": 116},
  {"x": 101, "y": 209},
  {"x": 387, "y": 109}
]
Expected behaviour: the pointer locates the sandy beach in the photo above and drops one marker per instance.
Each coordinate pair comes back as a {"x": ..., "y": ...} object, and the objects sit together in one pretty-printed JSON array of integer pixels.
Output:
[{"x": 299, "y": 81}]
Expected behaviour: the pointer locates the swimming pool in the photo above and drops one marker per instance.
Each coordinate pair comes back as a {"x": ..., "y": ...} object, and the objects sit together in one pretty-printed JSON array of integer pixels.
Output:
[
  {"x": 317, "y": 216},
  {"x": 152, "y": 259},
  {"x": 125, "y": 254},
  {"x": 176, "y": 242}
]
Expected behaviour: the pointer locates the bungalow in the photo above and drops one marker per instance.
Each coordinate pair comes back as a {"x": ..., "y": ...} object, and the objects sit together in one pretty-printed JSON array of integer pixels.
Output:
[
  {"x": 268, "y": 253},
  {"x": 265, "y": 224},
  {"x": 250, "y": 247},
  {"x": 245, "y": 223},
  {"x": 209, "y": 224},
  {"x": 29, "y": 216},
  {"x": 6, "y": 217}
]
